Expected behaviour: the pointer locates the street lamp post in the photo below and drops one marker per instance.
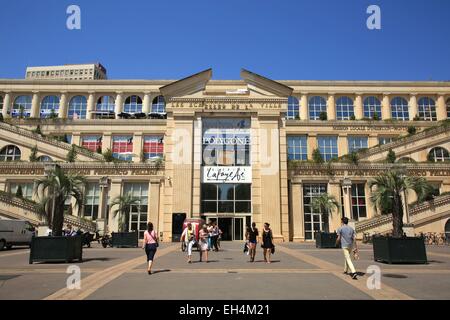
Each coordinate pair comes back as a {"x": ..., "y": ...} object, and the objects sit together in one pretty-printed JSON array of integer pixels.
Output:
[
  {"x": 347, "y": 186},
  {"x": 104, "y": 185}
]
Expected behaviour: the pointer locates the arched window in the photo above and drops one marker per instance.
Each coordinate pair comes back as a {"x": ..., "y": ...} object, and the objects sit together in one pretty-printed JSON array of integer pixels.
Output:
[
  {"x": 22, "y": 107},
  {"x": 106, "y": 104},
  {"x": 49, "y": 106},
  {"x": 293, "y": 108},
  {"x": 10, "y": 153},
  {"x": 399, "y": 109},
  {"x": 438, "y": 154},
  {"x": 159, "y": 105},
  {"x": 44, "y": 159},
  {"x": 427, "y": 109},
  {"x": 78, "y": 107},
  {"x": 448, "y": 108},
  {"x": 372, "y": 108},
  {"x": 316, "y": 106},
  {"x": 133, "y": 104},
  {"x": 344, "y": 108}
]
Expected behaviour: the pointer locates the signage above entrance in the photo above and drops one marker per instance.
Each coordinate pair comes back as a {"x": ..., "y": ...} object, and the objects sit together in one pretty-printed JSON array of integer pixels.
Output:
[{"x": 227, "y": 175}]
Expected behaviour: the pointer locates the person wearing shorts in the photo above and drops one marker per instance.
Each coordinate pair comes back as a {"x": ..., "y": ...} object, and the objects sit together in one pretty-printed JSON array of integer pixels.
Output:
[
  {"x": 203, "y": 243},
  {"x": 252, "y": 239}
]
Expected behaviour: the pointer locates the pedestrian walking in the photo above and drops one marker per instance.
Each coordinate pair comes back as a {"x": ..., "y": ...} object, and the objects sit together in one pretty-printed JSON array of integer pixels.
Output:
[
  {"x": 267, "y": 242},
  {"x": 210, "y": 235},
  {"x": 347, "y": 239},
  {"x": 188, "y": 236},
  {"x": 150, "y": 245},
  {"x": 252, "y": 238},
  {"x": 203, "y": 242},
  {"x": 215, "y": 237}
]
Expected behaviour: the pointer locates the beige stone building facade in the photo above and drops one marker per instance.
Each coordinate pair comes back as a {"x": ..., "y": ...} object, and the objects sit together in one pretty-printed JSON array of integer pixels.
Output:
[{"x": 233, "y": 151}]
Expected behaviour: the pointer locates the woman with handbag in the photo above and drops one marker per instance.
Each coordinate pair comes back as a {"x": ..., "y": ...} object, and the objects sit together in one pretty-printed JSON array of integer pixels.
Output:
[
  {"x": 150, "y": 245},
  {"x": 203, "y": 243},
  {"x": 267, "y": 242}
]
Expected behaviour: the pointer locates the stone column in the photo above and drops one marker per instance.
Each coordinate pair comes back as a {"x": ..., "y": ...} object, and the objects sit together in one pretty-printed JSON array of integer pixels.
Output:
[
  {"x": 359, "y": 112},
  {"x": 334, "y": 217},
  {"x": 6, "y": 105},
  {"x": 153, "y": 205},
  {"x": 311, "y": 144},
  {"x": 369, "y": 207},
  {"x": 137, "y": 147},
  {"x": 386, "y": 107},
  {"x": 346, "y": 195},
  {"x": 373, "y": 140},
  {"x": 35, "y": 105},
  {"x": 115, "y": 191},
  {"x": 441, "y": 108},
  {"x": 304, "y": 106},
  {"x": 119, "y": 104},
  {"x": 76, "y": 138},
  {"x": 331, "y": 107},
  {"x": 146, "y": 103},
  {"x": 298, "y": 224},
  {"x": 90, "y": 105},
  {"x": 413, "y": 108},
  {"x": 102, "y": 221},
  {"x": 342, "y": 145},
  {"x": 106, "y": 141},
  {"x": 63, "y": 105}
]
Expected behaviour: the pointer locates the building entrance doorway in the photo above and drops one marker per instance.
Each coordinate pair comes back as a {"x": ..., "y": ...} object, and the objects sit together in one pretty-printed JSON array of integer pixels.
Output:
[{"x": 233, "y": 228}]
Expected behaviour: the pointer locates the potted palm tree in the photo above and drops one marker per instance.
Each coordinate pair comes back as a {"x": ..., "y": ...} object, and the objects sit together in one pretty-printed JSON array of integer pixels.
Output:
[
  {"x": 54, "y": 190},
  {"x": 325, "y": 204},
  {"x": 386, "y": 198},
  {"x": 124, "y": 204}
]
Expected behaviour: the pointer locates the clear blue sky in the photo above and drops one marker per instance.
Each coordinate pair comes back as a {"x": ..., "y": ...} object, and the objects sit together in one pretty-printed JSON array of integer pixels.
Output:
[{"x": 280, "y": 39}]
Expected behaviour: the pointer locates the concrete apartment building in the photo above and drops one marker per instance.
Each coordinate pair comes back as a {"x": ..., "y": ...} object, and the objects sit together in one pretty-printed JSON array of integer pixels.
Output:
[
  {"x": 94, "y": 71},
  {"x": 235, "y": 151}
]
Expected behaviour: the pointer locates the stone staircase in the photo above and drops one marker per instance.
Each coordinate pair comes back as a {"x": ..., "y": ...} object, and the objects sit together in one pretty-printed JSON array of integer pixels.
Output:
[
  {"x": 420, "y": 215},
  {"x": 28, "y": 138},
  {"x": 15, "y": 208},
  {"x": 408, "y": 144}
]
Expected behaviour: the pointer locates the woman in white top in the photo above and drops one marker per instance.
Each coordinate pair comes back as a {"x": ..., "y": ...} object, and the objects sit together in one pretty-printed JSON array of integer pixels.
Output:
[{"x": 203, "y": 242}]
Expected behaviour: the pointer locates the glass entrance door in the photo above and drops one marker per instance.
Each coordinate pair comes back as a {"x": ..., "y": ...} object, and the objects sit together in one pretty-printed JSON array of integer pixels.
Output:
[{"x": 232, "y": 228}]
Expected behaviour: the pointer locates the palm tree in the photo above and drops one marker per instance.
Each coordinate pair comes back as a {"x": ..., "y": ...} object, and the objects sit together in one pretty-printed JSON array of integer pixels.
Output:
[
  {"x": 124, "y": 204},
  {"x": 387, "y": 196},
  {"x": 59, "y": 186},
  {"x": 324, "y": 203}
]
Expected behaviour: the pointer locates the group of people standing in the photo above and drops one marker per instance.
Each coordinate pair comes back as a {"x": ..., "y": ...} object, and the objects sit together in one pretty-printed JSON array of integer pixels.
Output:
[{"x": 208, "y": 237}]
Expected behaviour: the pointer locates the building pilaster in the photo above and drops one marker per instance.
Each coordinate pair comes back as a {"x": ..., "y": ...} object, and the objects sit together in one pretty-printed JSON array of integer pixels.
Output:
[
  {"x": 413, "y": 108},
  {"x": 359, "y": 113},
  {"x": 386, "y": 107},
  {"x": 441, "y": 108},
  {"x": 304, "y": 106},
  {"x": 331, "y": 107},
  {"x": 118, "y": 104},
  {"x": 35, "y": 106},
  {"x": 6, "y": 105},
  {"x": 90, "y": 105},
  {"x": 297, "y": 223},
  {"x": 63, "y": 105}
]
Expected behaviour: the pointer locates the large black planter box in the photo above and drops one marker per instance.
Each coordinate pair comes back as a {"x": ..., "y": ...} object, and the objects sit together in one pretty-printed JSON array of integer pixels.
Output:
[
  {"x": 125, "y": 239},
  {"x": 325, "y": 240},
  {"x": 399, "y": 250},
  {"x": 56, "y": 249}
]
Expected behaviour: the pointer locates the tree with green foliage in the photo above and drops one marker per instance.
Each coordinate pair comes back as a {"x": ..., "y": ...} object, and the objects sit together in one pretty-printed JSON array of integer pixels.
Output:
[
  {"x": 124, "y": 204},
  {"x": 317, "y": 156},
  {"x": 375, "y": 116},
  {"x": 108, "y": 155},
  {"x": 353, "y": 157},
  {"x": 388, "y": 189},
  {"x": 60, "y": 186},
  {"x": 72, "y": 154},
  {"x": 412, "y": 130},
  {"x": 323, "y": 116},
  {"x": 33, "y": 154},
  {"x": 391, "y": 156},
  {"x": 324, "y": 204},
  {"x": 19, "y": 192}
]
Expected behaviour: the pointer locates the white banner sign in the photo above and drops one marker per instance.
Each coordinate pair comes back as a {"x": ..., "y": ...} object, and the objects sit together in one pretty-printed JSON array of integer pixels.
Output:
[{"x": 227, "y": 175}]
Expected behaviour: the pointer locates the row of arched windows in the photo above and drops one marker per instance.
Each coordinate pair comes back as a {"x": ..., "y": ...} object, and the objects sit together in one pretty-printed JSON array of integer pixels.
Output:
[
  {"x": 371, "y": 108},
  {"x": 77, "y": 108}
]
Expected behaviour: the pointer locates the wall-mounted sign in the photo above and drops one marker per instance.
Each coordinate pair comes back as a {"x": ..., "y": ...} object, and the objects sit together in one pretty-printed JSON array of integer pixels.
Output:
[{"x": 227, "y": 175}]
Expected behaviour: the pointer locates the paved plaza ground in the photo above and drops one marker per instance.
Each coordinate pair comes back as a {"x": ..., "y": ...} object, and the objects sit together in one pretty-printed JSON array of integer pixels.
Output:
[{"x": 298, "y": 271}]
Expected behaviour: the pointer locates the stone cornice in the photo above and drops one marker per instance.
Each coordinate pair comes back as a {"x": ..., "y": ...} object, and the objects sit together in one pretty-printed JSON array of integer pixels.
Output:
[
  {"x": 358, "y": 123},
  {"x": 90, "y": 122},
  {"x": 367, "y": 169}
]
